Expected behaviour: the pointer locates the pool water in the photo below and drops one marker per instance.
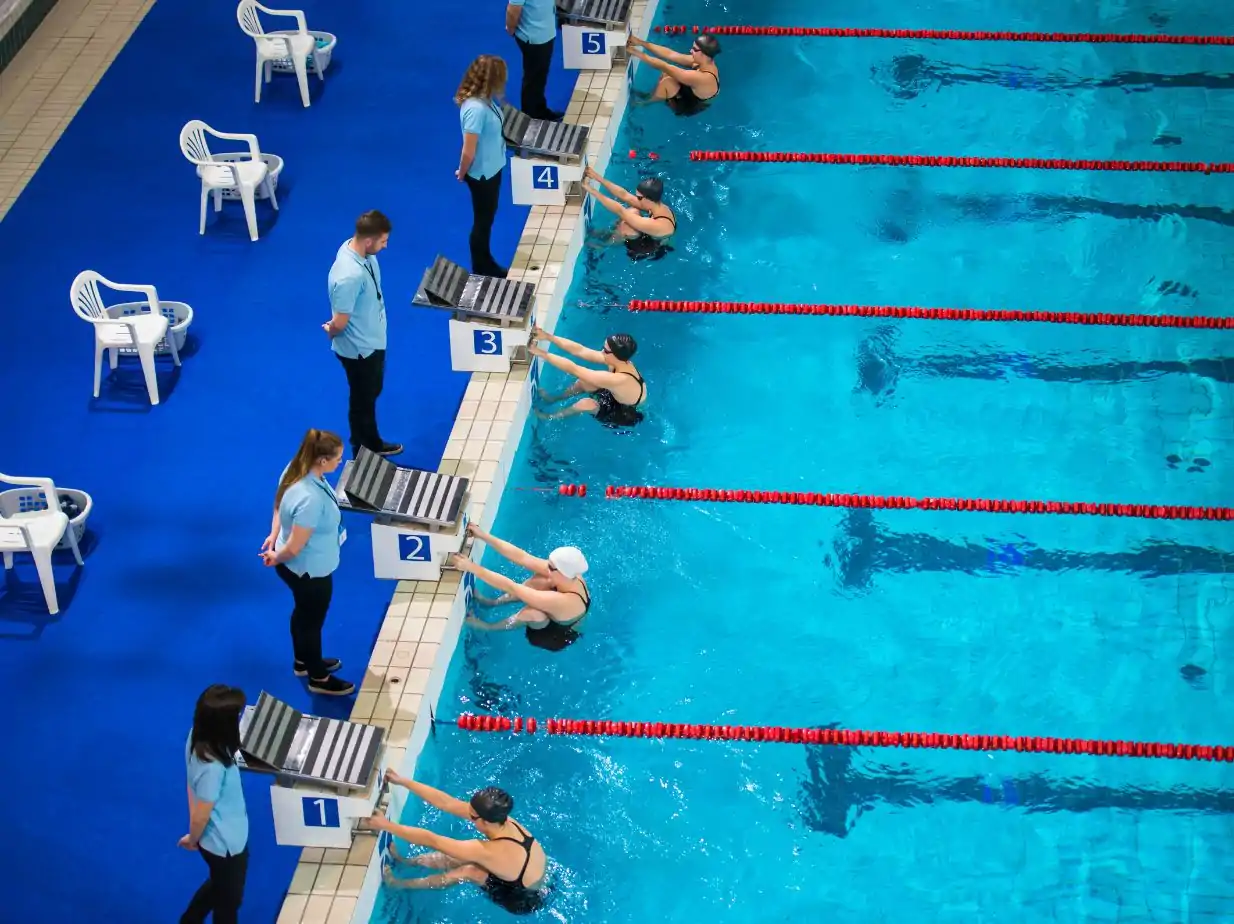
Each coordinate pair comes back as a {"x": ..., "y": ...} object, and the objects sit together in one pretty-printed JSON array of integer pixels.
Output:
[{"x": 1085, "y": 627}]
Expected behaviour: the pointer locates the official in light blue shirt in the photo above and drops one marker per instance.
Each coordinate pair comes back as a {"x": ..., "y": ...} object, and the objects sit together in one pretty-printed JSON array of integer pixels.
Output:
[
  {"x": 357, "y": 328},
  {"x": 306, "y": 534},
  {"x": 483, "y": 158},
  {"x": 218, "y": 819},
  {"x": 533, "y": 23}
]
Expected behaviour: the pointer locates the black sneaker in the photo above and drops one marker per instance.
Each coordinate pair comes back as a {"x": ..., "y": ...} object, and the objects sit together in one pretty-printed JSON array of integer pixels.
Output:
[
  {"x": 332, "y": 666},
  {"x": 554, "y": 116},
  {"x": 331, "y": 686},
  {"x": 390, "y": 449}
]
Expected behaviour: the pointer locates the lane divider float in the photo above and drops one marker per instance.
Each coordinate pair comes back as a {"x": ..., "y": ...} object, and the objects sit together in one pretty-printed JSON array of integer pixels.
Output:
[
  {"x": 951, "y": 35},
  {"x": 927, "y": 160},
  {"x": 1104, "y": 319},
  {"x": 844, "y": 737}
]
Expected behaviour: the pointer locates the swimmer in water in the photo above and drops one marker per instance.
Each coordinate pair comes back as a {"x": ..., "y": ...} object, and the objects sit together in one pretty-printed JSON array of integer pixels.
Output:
[
  {"x": 687, "y": 82},
  {"x": 646, "y": 236},
  {"x": 508, "y": 863},
  {"x": 615, "y": 393},
  {"x": 555, "y": 599}
]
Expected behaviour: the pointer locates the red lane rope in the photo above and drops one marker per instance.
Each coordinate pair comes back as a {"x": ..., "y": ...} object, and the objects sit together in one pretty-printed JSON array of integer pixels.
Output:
[
  {"x": 953, "y": 35},
  {"x": 849, "y": 737},
  {"x": 929, "y": 160},
  {"x": 935, "y": 314},
  {"x": 886, "y": 502}
]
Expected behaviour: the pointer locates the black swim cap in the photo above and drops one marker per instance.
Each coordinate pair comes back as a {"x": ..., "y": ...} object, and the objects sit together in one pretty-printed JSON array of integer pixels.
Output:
[
  {"x": 622, "y": 346},
  {"x": 708, "y": 45},
  {"x": 492, "y": 805},
  {"x": 651, "y": 188}
]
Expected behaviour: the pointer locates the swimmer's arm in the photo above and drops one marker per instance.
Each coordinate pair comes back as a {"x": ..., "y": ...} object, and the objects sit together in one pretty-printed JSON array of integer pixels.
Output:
[
  {"x": 434, "y": 797},
  {"x": 546, "y": 601},
  {"x": 594, "y": 377},
  {"x": 586, "y": 354},
  {"x": 667, "y": 53},
  {"x": 640, "y": 222},
  {"x": 512, "y": 553},
  {"x": 467, "y": 851},
  {"x": 618, "y": 192},
  {"x": 611, "y": 204}
]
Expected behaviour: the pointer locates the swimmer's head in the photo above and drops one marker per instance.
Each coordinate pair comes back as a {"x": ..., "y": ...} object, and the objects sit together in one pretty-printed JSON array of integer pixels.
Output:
[
  {"x": 651, "y": 189},
  {"x": 620, "y": 346},
  {"x": 707, "y": 46},
  {"x": 491, "y": 806},
  {"x": 568, "y": 561}
]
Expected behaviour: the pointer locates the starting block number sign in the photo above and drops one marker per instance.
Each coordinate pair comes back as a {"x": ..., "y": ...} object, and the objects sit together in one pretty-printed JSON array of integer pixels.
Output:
[
  {"x": 545, "y": 178},
  {"x": 487, "y": 342},
  {"x": 320, "y": 812},
  {"x": 413, "y": 547},
  {"x": 594, "y": 43}
]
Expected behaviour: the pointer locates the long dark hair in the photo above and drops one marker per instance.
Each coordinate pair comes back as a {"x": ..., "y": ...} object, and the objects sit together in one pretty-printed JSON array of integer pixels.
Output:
[
  {"x": 316, "y": 445},
  {"x": 216, "y": 724}
]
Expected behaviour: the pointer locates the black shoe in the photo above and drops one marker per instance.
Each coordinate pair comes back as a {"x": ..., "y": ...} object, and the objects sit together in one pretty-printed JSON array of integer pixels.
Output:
[
  {"x": 390, "y": 449},
  {"x": 332, "y": 666},
  {"x": 554, "y": 116},
  {"x": 331, "y": 686}
]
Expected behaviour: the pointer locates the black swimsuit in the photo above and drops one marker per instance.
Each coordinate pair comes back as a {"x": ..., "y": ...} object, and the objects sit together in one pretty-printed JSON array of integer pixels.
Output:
[
  {"x": 685, "y": 103},
  {"x": 646, "y": 247},
  {"x": 558, "y": 635},
  {"x": 512, "y": 895},
  {"x": 615, "y": 414}
]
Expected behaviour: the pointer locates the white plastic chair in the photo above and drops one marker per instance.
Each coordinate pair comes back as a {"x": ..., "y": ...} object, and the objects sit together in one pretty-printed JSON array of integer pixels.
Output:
[
  {"x": 141, "y": 332},
  {"x": 218, "y": 174},
  {"x": 271, "y": 46},
  {"x": 37, "y": 532}
]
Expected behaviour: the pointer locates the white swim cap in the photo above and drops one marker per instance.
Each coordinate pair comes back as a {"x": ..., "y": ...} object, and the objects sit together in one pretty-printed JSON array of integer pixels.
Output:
[{"x": 569, "y": 561}]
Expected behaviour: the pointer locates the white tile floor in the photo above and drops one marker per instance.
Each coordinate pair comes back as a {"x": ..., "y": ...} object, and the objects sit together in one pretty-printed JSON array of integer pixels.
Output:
[{"x": 40, "y": 92}]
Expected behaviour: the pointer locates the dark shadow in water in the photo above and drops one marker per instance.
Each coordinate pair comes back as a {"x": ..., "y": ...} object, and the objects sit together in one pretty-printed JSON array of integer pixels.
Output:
[
  {"x": 863, "y": 549},
  {"x": 835, "y": 794}
]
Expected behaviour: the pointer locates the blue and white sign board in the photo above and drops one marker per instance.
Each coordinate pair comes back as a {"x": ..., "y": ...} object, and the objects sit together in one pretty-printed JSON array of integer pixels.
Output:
[
  {"x": 591, "y": 48},
  {"x": 412, "y": 553},
  {"x": 542, "y": 182},
  {"x": 479, "y": 347},
  {"x": 307, "y": 816}
]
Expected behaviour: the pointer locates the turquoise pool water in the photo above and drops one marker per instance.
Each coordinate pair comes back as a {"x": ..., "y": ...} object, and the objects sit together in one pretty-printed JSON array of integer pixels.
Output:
[{"x": 893, "y": 620}]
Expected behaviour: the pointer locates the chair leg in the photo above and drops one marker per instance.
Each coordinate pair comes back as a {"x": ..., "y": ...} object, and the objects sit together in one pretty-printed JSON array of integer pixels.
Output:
[
  {"x": 113, "y": 357},
  {"x": 47, "y": 577},
  {"x": 218, "y": 200},
  {"x": 261, "y": 67},
  {"x": 72, "y": 534},
  {"x": 205, "y": 194},
  {"x": 302, "y": 79},
  {"x": 171, "y": 345},
  {"x": 317, "y": 66},
  {"x": 250, "y": 210},
  {"x": 274, "y": 200},
  {"x": 8, "y": 561},
  {"x": 145, "y": 351},
  {"x": 99, "y": 349}
]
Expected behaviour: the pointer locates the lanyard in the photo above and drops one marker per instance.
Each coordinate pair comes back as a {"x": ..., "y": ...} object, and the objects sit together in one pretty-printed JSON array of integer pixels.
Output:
[
  {"x": 373, "y": 276},
  {"x": 324, "y": 485}
]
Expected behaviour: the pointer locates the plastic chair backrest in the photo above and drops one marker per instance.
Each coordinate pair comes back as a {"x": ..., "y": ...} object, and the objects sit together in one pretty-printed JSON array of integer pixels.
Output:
[
  {"x": 86, "y": 298},
  {"x": 249, "y": 21},
  {"x": 193, "y": 143}
]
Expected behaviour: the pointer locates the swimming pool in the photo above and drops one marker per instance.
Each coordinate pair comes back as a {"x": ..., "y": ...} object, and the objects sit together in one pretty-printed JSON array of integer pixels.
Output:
[{"x": 891, "y": 619}]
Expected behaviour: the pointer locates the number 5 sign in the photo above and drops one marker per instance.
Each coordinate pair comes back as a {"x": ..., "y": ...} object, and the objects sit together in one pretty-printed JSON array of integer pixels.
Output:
[{"x": 587, "y": 48}]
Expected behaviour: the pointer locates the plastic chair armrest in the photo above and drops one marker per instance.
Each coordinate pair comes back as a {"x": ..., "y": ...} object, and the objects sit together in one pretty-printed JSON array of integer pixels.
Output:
[
  {"x": 45, "y": 483},
  {"x": 250, "y": 140}
]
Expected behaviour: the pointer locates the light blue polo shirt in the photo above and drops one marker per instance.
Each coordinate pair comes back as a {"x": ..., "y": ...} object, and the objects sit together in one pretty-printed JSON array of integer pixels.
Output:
[
  {"x": 483, "y": 117},
  {"x": 227, "y": 831},
  {"x": 539, "y": 21},
  {"x": 311, "y": 503},
  {"x": 355, "y": 290}
]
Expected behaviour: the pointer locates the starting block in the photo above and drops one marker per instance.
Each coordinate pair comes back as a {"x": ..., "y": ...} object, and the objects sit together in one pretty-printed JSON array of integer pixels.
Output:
[
  {"x": 419, "y": 517},
  {"x": 548, "y": 158},
  {"x": 594, "y": 33},
  {"x": 492, "y": 319},
  {"x": 329, "y": 774}
]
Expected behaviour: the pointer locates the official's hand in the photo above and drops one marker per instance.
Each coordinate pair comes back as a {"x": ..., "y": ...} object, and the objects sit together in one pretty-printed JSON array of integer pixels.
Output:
[
  {"x": 187, "y": 842},
  {"x": 269, "y": 558},
  {"x": 270, "y": 542},
  {"x": 327, "y": 329},
  {"x": 458, "y": 175}
]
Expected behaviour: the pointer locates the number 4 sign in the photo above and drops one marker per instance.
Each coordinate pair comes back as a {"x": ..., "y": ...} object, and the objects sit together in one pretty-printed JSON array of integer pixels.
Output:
[{"x": 544, "y": 178}]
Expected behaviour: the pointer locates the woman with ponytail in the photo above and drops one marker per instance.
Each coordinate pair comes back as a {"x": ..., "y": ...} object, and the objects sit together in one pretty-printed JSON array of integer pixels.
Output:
[
  {"x": 303, "y": 547},
  {"x": 483, "y": 159}
]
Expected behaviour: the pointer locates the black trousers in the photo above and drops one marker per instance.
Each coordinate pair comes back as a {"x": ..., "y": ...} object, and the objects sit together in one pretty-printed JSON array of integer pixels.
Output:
[
  {"x": 223, "y": 892},
  {"x": 485, "y": 197},
  {"x": 312, "y": 601},
  {"x": 365, "y": 377},
  {"x": 536, "y": 62}
]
